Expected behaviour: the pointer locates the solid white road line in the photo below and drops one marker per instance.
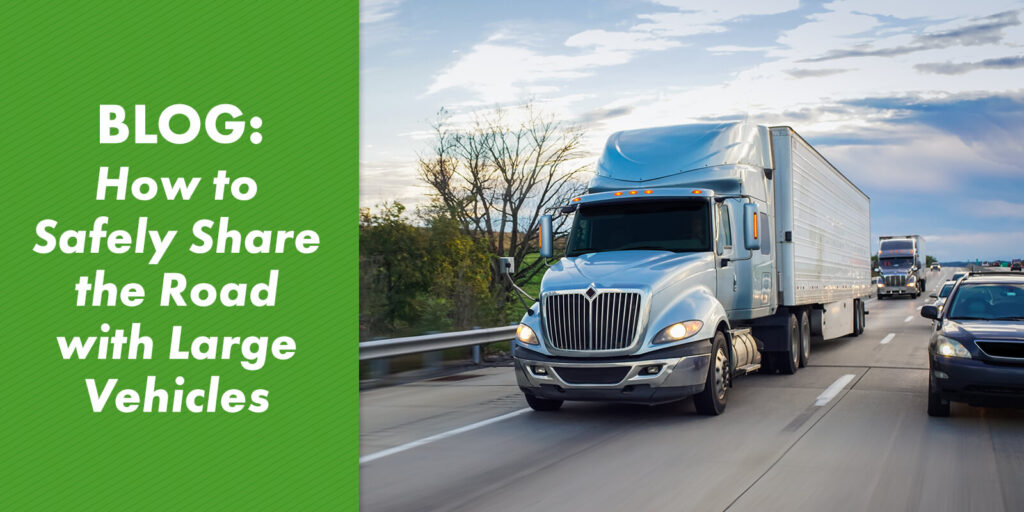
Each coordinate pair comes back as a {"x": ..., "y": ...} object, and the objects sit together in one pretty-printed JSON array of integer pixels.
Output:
[
  {"x": 909, "y": 318},
  {"x": 438, "y": 437},
  {"x": 888, "y": 338},
  {"x": 834, "y": 389}
]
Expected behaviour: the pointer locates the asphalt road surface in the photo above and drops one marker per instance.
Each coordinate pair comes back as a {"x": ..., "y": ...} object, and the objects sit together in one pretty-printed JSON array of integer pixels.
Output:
[{"x": 849, "y": 432}]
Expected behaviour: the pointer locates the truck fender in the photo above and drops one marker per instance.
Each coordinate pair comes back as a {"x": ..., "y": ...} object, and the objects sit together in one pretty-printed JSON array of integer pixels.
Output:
[{"x": 697, "y": 303}]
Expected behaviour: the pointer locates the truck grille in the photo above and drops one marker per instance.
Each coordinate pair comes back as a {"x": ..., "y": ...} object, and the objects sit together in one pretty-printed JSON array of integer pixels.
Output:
[
  {"x": 895, "y": 280},
  {"x": 598, "y": 321}
]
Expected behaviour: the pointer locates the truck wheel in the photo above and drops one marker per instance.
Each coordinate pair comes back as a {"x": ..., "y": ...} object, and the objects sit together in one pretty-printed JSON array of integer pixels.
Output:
[
  {"x": 788, "y": 361},
  {"x": 937, "y": 407},
  {"x": 862, "y": 316},
  {"x": 711, "y": 401},
  {"x": 543, "y": 404},
  {"x": 805, "y": 339},
  {"x": 858, "y": 318}
]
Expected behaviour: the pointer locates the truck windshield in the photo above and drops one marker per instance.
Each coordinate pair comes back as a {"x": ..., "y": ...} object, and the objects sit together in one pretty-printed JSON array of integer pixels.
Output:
[
  {"x": 895, "y": 245},
  {"x": 677, "y": 226},
  {"x": 896, "y": 262}
]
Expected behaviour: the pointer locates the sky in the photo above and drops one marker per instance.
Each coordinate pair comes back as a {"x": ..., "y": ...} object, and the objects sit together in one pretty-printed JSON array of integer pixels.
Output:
[{"x": 921, "y": 104}]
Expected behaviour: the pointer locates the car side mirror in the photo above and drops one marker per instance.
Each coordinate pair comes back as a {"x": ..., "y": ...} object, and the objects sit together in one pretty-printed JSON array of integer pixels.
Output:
[
  {"x": 878, "y": 270},
  {"x": 751, "y": 236},
  {"x": 546, "y": 237},
  {"x": 931, "y": 312}
]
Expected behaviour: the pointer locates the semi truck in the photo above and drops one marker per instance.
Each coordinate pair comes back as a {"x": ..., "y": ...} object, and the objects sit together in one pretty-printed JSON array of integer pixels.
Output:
[
  {"x": 699, "y": 253},
  {"x": 901, "y": 264}
]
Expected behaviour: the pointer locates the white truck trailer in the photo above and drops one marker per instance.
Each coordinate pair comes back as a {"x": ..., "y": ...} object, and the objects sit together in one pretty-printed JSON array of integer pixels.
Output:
[{"x": 700, "y": 252}]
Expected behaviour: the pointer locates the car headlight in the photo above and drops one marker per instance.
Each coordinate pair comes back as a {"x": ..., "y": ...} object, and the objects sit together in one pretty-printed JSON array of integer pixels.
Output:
[
  {"x": 678, "y": 331},
  {"x": 526, "y": 335},
  {"x": 949, "y": 347}
]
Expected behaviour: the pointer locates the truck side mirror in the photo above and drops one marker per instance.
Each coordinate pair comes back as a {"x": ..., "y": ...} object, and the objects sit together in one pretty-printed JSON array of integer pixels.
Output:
[
  {"x": 545, "y": 237},
  {"x": 878, "y": 270},
  {"x": 751, "y": 236},
  {"x": 506, "y": 265}
]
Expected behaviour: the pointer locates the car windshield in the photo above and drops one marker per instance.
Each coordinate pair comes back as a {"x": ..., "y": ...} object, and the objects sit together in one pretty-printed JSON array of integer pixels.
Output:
[
  {"x": 946, "y": 289},
  {"x": 896, "y": 262},
  {"x": 678, "y": 226},
  {"x": 988, "y": 301},
  {"x": 958, "y": 275}
]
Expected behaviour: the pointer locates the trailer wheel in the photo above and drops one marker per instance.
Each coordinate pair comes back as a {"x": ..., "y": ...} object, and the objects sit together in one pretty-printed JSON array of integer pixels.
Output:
[
  {"x": 863, "y": 317},
  {"x": 711, "y": 401},
  {"x": 542, "y": 404},
  {"x": 858, "y": 317},
  {"x": 805, "y": 339}
]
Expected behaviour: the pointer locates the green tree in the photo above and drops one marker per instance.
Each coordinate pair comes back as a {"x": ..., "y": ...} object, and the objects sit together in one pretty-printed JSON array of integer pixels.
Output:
[
  {"x": 420, "y": 277},
  {"x": 930, "y": 260}
]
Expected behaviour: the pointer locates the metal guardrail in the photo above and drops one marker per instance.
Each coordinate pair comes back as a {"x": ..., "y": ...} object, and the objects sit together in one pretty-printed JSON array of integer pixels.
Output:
[{"x": 431, "y": 342}]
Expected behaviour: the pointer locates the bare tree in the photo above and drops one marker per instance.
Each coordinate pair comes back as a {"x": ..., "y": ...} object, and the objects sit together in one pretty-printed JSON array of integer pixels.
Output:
[{"x": 497, "y": 177}]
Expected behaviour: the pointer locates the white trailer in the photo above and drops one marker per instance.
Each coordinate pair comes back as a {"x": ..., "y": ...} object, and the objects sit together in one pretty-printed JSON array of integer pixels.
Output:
[{"x": 823, "y": 233}]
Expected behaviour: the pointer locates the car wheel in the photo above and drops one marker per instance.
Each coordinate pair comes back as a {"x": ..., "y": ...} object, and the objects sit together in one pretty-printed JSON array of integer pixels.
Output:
[
  {"x": 711, "y": 401},
  {"x": 805, "y": 339},
  {"x": 937, "y": 406},
  {"x": 543, "y": 404}
]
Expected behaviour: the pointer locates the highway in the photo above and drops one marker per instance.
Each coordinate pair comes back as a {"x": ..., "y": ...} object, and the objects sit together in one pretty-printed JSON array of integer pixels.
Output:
[{"x": 849, "y": 432}]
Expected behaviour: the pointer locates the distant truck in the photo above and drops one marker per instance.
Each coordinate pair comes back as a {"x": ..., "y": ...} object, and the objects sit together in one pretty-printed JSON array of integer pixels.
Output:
[
  {"x": 699, "y": 253},
  {"x": 901, "y": 264}
]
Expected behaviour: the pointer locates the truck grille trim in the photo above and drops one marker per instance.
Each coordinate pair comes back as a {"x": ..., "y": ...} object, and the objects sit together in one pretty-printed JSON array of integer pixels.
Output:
[
  {"x": 600, "y": 322},
  {"x": 895, "y": 280}
]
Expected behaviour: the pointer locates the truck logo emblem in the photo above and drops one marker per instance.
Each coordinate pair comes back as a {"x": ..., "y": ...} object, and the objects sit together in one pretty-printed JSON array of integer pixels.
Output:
[{"x": 591, "y": 292}]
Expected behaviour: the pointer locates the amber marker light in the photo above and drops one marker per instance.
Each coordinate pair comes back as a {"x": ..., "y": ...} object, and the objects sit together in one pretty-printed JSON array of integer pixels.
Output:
[
  {"x": 575, "y": 199},
  {"x": 632, "y": 192},
  {"x": 648, "y": 191},
  {"x": 618, "y": 193},
  {"x": 697, "y": 191}
]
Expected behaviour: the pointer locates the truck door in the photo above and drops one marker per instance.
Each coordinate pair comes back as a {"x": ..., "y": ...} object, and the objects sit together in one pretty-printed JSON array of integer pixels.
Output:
[{"x": 726, "y": 250}]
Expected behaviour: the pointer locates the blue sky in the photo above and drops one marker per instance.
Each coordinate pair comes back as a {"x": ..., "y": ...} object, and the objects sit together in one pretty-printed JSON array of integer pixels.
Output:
[{"x": 919, "y": 103}]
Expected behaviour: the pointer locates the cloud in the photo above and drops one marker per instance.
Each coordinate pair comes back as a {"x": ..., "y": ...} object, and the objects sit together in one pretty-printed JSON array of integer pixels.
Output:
[
  {"x": 812, "y": 73},
  {"x": 620, "y": 41},
  {"x": 506, "y": 66},
  {"x": 729, "y": 49},
  {"x": 993, "y": 208},
  {"x": 978, "y": 31},
  {"x": 373, "y": 11},
  {"x": 959, "y": 68},
  {"x": 984, "y": 245},
  {"x": 604, "y": 114},
  {"x": 701, "y": 17},
  {"x": 991, "y": 125}
]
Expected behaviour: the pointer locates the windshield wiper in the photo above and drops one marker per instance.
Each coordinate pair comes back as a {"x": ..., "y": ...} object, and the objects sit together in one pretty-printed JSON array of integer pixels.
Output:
[
  {"x": 646, "y": 248},
  {"x": 1012, "y": 318},
  {"x": 969, "y": 318},
  {"x": 581, "y": 251}
]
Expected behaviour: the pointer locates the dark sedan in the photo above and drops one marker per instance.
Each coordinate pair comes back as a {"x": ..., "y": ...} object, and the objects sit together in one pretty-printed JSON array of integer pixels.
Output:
[{"x": 977, "y": 351}]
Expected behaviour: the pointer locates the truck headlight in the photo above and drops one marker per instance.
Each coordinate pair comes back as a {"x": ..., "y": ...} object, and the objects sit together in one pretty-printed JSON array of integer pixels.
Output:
[
  {"x": 526, "y": 335},
  {"x": 949, "y": 347},
  {"x": 679, "y": 331}
]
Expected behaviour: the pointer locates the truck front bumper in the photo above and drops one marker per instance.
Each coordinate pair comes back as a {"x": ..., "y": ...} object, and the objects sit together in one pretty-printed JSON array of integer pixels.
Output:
[
  {"x": 655, "y": 377},
  {"x": 897, "y": 290}
]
